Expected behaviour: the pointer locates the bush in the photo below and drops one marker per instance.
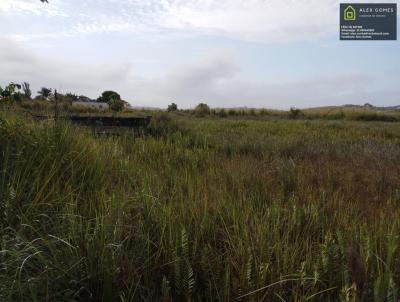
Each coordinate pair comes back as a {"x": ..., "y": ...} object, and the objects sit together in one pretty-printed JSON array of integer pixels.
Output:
[
  {"x": 108, "y": 96},
  {"x": 222, "y": 113},
  {"x": 162, "y": 124},
  {"x": 116, "y": 105},
  {"x": 202, "y": 110},
  {"x": 295, "y": 113},
  {"x": 232, "y": 112},
  {"x": 172, "y": 107}
]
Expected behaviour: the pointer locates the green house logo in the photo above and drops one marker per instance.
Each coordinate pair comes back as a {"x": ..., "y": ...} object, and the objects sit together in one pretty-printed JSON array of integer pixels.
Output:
[{"x": 350, "y": 13}]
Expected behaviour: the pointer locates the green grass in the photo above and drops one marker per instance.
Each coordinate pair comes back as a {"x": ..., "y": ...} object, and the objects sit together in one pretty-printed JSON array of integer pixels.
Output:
[
  {"x": 324, "y": 113},
  {"x": 200, "y": 210}
]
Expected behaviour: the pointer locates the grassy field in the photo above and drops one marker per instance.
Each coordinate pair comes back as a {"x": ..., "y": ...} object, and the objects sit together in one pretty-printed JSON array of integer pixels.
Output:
[
  {"x": 200, "y": 209},
  {"x": 346, "y": 113}
]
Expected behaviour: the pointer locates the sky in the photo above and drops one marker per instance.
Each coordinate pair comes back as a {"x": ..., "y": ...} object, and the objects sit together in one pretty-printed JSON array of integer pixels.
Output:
[{"x": 226, "y": 53}]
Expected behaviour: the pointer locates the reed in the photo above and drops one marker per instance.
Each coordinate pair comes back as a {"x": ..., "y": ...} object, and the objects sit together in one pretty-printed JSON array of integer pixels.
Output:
[{"x": 204, "y": 210}]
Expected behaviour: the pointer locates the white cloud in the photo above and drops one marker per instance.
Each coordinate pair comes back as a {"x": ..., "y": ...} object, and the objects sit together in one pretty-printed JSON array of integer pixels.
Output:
[
  {"x": 214, "y": 79},
  {"x": 256, "y": 20},
  {"x": 20, "y": 65},
  {"x": 34, "y": 7}
]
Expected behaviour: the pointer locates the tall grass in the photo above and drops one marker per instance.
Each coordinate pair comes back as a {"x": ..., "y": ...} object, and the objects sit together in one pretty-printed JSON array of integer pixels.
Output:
[{"x": 208, "y": 210}]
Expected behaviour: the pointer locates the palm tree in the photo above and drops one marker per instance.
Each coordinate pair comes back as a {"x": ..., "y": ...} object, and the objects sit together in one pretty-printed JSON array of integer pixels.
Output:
[
  {"x": 44, "y": 92},
  {"x": 27, "y": 90}
]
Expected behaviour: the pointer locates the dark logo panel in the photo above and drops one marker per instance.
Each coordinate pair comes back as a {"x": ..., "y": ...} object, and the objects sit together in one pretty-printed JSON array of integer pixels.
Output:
[{"x": 368, "y": 21}]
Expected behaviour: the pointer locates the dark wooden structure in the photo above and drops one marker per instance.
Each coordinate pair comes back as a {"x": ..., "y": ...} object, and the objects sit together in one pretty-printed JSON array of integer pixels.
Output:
[
  {"x": 109, "y": 121},
  {"x": 106, "y": 125}
]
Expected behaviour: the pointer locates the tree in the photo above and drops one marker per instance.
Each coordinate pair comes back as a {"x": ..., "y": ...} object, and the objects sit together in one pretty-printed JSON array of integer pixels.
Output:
[
  {"x": 295, "y": 113},
  {"x": 202, "y": 109},
  {"x": 116, "y": 104},
  {"x": 172, "y": 107},
  {"x": 107, "y": 96},
  {"x": 27, "y": 90},
  {"x": 222, "y": 113},
  {"x": 10, "y": 93},
  {"x": 44, "y": 93},
  {"x": 71, "y": 97}
]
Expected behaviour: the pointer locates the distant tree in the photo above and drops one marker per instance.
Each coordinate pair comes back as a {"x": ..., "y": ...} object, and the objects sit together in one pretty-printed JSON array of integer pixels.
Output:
[
  {"x": 10, "y": 93},
  {"x": 26, "y": 90},
  {"x": 295, "y": 113},
  {"x": 172, "y": 107},
  {"x": 222, "y": 113},
  {"x": 44, "y": 93},
  {"x": 71, "y": 97},
  {"x": 116, "y": 104},
  {"x": 126, "y": 104},
  {"x": 202, "y": 109},
  {"x": 107, "y": 96},
  {"x": 232, "y": 112}
]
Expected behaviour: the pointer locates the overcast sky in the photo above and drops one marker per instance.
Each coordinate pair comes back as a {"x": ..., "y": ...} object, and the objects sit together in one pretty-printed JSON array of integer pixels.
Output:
[{"x": 227, "y": 53}]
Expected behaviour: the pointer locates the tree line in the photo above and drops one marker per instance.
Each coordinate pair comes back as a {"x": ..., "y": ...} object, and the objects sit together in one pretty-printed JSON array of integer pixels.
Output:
[{"x": 15, "y": 93}]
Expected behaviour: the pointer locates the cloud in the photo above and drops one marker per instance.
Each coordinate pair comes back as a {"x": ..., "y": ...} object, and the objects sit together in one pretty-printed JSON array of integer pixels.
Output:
[
  {"x": 225, "y": 90},
  {"x": 255, "y": 20},
  {"x": 214, "y": 79},
  {"x": 20, "y": 65},
  {"x": 31, "y": 7}
]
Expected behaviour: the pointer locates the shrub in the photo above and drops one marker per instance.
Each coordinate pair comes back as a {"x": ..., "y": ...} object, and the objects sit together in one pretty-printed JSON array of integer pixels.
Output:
[
  {"x": 232, "y": 112},
  {"x": 202, "y": 110},
  {"x": 295, "y": 113},
  {"x": 116, "y": 105},
  {"x": 10, "y": 94},
  {"x": 162, "y": 124},
  {"x": 108, "y": 96},
  {"x": 222, "y": 113},
  {"x": 172, "y": 107}
]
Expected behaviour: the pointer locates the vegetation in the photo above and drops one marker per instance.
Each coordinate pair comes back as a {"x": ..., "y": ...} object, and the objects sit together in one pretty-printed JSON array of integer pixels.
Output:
[
  {"x": 27, "y": 90},
  {"x": 202, "y": 110},
  {"x": 44, "y": 93},
  {"x": 295, "y": 113},
  {"x": 172, "y": 107},
  {"x": 200, "y": 210},
  {"x": 10, "y": 94},
  {"x": 116, "y": 105},
  {"x": 108, "y": 96}
]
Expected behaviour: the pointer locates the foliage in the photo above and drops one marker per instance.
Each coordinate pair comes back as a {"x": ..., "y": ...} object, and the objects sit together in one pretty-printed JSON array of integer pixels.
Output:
[
  {"x": 212, "y": 210},
  {"x": 202, "y": 109},
  {"x": 222, "y": 113},
  {"x": 116, "y": 105},
  {"x": 44, "y": 93},
  {"x": 295, "y": 113},
  {"x": 70, "y": 97},
  {"x": 108, "y": 96},
  {"x": 26, "y": 90},
  {"x": 10, "y": 94},
  {"x": 172, "y": 107}
]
